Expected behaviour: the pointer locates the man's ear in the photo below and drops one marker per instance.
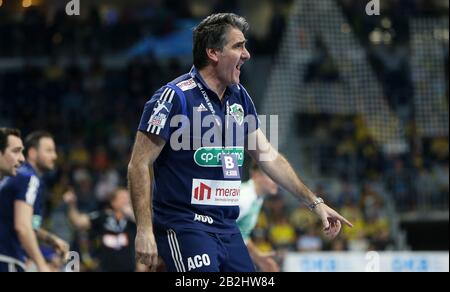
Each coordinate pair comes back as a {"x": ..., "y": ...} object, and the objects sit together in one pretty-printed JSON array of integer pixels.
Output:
[
  {"x": 213, "y": 54},
  {"x": 32, "y": 153}
]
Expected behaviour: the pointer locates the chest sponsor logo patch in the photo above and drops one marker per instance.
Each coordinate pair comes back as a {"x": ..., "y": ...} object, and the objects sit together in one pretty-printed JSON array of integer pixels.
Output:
[
  {"x": 215, "y": 192},
  {"x": 212, "y": 156}
]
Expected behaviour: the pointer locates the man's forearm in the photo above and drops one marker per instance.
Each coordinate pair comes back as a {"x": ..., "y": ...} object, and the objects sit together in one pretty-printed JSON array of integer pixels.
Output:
[
  {"x": 139, "y": 183},
  {"x": 252, "y": 250},
  {"x": 29, "y": 242},
  {"x": 80, "y": 221},
  {"x": 283, "y": 174},
  {"x": 46, "y": 237},
  {"x": 59, "y": 245}
]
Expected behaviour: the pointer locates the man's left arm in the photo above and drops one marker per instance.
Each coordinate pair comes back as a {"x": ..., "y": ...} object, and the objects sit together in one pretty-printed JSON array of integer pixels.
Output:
[
  {"x": 279, "y": 169},
  {"x": 61, "y": 247}
]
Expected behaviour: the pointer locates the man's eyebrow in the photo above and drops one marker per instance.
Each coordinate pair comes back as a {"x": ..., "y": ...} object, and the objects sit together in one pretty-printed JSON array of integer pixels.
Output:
[{"x": 241, "y": 43}]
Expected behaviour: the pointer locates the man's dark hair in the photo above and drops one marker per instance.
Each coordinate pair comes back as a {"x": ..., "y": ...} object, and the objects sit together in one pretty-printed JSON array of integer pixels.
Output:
[
  {"x": 4, "y": 134},
  {"x": 113, "y": 195},
  {"x": 211, "y": 34},
  {"x": 33, "y": 140}
]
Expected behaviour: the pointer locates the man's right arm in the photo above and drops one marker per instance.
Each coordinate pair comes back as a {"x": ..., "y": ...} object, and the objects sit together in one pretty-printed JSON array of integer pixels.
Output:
[
  {"x": 80, "y": 221},
  {"x": 23, "y": 217},
  {"x": 264, "y": 261},
  {"x": 146, "y": 150}
]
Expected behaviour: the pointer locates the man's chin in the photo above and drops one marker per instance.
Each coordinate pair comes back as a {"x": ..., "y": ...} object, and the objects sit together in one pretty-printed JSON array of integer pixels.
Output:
[{"x": 49, "y": 168}]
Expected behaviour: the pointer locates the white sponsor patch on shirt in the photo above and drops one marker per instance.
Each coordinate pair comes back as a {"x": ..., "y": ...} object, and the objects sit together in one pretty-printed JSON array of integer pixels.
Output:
[
  {"x": 187, "y": 84},
  {"x": 215, "y": 192},
  {"x": 116, "y": 242}
]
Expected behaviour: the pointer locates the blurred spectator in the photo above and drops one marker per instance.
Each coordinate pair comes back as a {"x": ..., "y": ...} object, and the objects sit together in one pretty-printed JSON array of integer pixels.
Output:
[
  {"x": 302, "y": 220},
  {"x": 112, "y": 230},
  {"x": 310, "y": 242},
  {"x": 347, "y": 196},
  {"x": 322, "y": 67},
  {"x": 83, "y": 187},
  {"x": 398, "y": 182},
  {"x": 281, "y": 234}
]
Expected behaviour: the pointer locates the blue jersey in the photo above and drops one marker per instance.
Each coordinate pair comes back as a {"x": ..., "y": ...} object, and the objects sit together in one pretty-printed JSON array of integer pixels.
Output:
[
  {"x": 27, "y": 186},
  {"x": 189, "y": 189}
]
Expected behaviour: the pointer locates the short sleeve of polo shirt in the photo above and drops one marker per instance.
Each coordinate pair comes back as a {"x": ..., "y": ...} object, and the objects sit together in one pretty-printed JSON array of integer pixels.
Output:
[
  {"x": 158, "y": 111},
  {"x": 27, "y": 187},
  {"x": 250, "y": 110}
]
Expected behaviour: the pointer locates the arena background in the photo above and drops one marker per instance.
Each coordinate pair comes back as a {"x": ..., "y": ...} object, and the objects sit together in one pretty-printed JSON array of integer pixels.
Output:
[{"x": 362, "y": 103}]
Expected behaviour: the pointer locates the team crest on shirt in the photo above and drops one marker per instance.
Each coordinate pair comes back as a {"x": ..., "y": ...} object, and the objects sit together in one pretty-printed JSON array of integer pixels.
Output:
[
  {"x": 160, "y": 114},
  {"x": 237, "y": 111}
]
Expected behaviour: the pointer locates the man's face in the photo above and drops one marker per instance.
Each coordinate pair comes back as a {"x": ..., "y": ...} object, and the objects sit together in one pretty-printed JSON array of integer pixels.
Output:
[
  {"x": 268, "y": 186},
  {"x": 46, "y": 154},
  {"x": 121, "y": 201},
  {"x": 12, "y": 157},
  {"x": 232, "y": 57}
]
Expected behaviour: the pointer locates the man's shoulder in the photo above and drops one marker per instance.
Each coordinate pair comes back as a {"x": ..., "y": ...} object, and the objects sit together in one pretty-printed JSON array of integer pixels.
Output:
[
  {"x": 24, "y": 175},
  {"x": 26, "y": 170},
  {"x": 184, "y": 82},
  {"x": 239, "y": 91},
  {"x": 236, "y": 88}
]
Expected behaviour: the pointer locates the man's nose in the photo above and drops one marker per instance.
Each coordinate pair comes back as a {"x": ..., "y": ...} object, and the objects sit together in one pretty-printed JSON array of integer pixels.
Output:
[{"x": 246, "y": 54}]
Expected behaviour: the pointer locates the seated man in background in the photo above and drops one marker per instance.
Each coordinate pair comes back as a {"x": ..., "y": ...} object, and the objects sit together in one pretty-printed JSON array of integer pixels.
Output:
[
  {"x": 21, "y": 203},
  {"x": 253, "y": 193},
  {"x": 112, "y": 230}
]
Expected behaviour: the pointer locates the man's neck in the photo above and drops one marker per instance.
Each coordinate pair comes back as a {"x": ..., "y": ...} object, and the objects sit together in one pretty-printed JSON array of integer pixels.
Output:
[
  {"x": 210, "y": 77},
  {"x": 118, "y": 214},
  {"x": 37, "y": 169}
]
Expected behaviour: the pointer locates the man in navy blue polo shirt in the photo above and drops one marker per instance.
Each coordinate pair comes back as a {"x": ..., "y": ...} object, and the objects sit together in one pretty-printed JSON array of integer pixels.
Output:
[
  {"x": 193, "y": 135},
  {"x": 21, "y": 200}
]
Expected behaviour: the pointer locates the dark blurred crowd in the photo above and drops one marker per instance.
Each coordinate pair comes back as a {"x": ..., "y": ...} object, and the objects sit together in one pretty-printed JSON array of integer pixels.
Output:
[
  {"x": 116, "y": 27},
  {"x": 417, "y": 178}
]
